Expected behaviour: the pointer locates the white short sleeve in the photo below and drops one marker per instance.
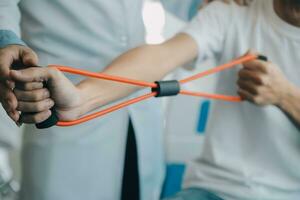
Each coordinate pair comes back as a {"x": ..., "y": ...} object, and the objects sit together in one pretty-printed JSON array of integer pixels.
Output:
[{"x": 209, "y": 27}]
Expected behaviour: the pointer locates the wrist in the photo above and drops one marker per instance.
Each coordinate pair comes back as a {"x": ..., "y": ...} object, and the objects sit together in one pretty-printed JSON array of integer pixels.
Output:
[
  {"x": 289, "y": 93},
  {"x": 92, "y": 95},
  {"x": 83, "y": 99},
  {"x": 69, "y": 98}
]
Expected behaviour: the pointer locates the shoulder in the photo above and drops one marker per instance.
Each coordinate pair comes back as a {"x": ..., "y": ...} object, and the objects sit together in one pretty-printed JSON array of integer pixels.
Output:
[
  {"x": 219, "y": 12},
  {"x": 231, "y": 9}
]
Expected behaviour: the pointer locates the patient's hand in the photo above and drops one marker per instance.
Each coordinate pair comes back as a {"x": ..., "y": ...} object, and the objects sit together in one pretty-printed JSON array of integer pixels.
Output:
[
  {"x": 35, "y": 102},
  {"x": 262, "y": 83}
]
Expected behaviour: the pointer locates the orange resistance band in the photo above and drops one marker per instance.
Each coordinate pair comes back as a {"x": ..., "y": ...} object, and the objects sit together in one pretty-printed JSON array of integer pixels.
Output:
[{"x": 151, "y": 85}]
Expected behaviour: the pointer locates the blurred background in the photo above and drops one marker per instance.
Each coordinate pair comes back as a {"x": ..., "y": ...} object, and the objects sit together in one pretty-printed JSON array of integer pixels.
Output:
[{"x": 183, "y": 135}]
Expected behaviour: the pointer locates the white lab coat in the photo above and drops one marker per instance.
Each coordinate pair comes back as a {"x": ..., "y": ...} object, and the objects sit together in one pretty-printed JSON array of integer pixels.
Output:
[
  {"x": 10, "y": 134},
  {"x": 86, "y": 161}
]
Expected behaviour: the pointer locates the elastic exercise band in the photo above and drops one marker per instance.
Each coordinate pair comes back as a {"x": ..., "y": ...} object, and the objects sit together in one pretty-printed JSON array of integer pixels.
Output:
[{"x": 159, "y": 89}]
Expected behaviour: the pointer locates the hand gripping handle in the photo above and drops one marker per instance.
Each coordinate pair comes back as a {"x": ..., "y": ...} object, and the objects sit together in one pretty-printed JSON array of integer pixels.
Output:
[{"x": 53, "y": 119}]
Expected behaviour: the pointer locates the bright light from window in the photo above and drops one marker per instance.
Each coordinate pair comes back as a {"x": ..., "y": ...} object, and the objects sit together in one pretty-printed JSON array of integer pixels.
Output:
[{"x": 154, "y": 19}]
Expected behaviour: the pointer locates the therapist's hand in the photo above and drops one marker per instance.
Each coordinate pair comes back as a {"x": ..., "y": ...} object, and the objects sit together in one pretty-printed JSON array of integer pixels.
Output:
[
  {"x": 35, "y": 104},
  {"x": 262, "y": 83},
  {"x": 8, "y": 56}
]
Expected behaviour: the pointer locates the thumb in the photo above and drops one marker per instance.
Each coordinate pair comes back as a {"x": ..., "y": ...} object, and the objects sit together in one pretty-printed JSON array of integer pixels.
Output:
[
  {"x": 29, "y": 57},
  {"x": 32, "y": 74},
  {"x": 251, "y": 52}
]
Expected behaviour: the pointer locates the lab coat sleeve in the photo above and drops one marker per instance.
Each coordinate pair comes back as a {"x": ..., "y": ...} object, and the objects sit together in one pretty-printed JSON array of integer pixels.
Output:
[{"x": 8, "y": 37}]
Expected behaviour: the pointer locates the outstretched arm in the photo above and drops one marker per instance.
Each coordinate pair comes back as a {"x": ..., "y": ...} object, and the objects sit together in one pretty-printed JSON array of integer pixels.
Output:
[
  {"x": 148, "y": 62},
  {"x": 203, "y": 36}
]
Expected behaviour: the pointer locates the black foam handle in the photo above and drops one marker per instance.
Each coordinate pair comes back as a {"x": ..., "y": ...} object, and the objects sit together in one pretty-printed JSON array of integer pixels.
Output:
[
  {"x": 262, "y": 57},
  {"x": 167, "y": 88},
  {"x": 53, "y": 119}
]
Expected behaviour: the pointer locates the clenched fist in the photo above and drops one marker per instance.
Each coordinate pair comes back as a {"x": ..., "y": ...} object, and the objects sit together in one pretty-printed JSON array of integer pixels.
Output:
[
  {"x": 8, "y": 56},
  {"x": 262, "y": 83}
]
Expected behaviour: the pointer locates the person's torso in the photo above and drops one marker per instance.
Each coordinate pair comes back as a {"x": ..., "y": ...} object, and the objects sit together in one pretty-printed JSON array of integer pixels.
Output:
[
  {"x": 82, "y": 32},
  {"x": 89, "y": 35},
  {"x": 252, "y": 152}
]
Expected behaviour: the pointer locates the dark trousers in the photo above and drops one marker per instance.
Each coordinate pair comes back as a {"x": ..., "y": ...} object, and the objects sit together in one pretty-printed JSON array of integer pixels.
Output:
[{"x": 130, "y": 183}]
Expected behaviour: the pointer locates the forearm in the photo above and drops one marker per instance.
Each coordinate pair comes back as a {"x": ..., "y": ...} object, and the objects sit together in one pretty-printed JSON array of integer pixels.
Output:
[
  {"x": 290, "y": 104},
  {"x": 149, "y": 63}
]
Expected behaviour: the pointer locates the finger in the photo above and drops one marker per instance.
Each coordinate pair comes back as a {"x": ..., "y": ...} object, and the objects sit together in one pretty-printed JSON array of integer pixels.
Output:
[
  {"x": 248, "y": 86},
  {"x": 15, "y": 116},
  {"x": 29, "y": 57},
  {"x": 39, "y": 106},
  {"x": 33, "y": 95},
  {"x": 247, "y": 2},
  {"x": 245, "y": 95},
  {"x": 6, "y": 59},
  {"x": 35, "y": 118},
  {"x": 12, "y": 54},
  {"x": 29, "y": 86},
  {"x": 257, "y": 65},
  {"x": 10, "y": 84},
  {"x": 8, "y": 99},
  {"x": 9, "y": 103},
  {"x": 4, "y": 90},
  {"x": 33, "y": 74},
  {"x": 252, "y": 52},
  {"x": 249, "y": 75}
]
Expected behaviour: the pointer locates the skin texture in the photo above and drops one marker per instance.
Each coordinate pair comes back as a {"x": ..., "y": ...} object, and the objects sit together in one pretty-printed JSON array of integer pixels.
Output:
[
  {"x": 7, "y": 56},
  {"x": 261, "y": 83},
  {"x": 10, "y": 90},
  {"x": 89, "y": 97},
  {"x": 67, "y": 98},
  {"x": 288, "y": 10}
]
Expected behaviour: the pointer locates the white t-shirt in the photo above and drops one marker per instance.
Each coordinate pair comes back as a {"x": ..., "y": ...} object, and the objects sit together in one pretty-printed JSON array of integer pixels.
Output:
[{"x": 250, "y": 152}]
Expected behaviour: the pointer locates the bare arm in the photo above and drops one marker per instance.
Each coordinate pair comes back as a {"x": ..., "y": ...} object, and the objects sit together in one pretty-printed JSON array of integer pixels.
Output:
[
  {"x": 290, "y": 104},
  {"x": 148, "y": 62}
]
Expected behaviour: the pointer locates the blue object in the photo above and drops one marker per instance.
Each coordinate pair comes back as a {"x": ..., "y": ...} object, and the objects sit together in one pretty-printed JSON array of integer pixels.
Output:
[
  {"x": 185, "y": 10},
  {"x": 194, "y": 8},
  {"x": 194, "y": 194},
  {"x": 173, "y": 180},
  {"x": 8, "y": 37},
  {"x": 203, "y": 116}
]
